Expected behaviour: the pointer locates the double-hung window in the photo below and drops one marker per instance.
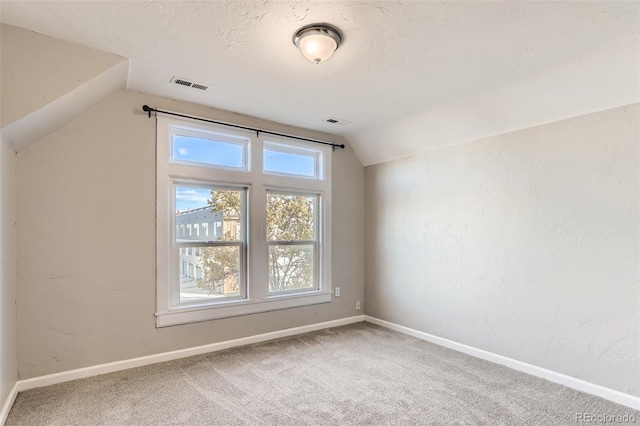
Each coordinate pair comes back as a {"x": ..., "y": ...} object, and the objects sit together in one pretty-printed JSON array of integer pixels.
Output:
[
  {"x": 243, "y": 222},
  {"x": 291, "y": 237}
]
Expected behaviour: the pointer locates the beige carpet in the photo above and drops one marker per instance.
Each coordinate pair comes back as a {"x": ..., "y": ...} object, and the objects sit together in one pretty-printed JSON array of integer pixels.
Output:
[{"x": 359, "y": 374}]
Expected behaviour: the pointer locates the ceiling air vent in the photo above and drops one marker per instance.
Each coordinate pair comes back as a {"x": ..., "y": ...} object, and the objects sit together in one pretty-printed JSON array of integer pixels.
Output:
[
  {"x": 337, "y": 121},
  {"x": 184, "y": 82}
]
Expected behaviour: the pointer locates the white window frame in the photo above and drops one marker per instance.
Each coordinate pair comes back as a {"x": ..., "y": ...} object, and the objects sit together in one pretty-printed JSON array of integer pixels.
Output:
[
  {"x": 317, "y": 255},
  {"x": 272, "y": 145},
  {"x": 173, "y": 293},
  {"x": 197, "y": 130},
  {"x": 257, "y": 298}
]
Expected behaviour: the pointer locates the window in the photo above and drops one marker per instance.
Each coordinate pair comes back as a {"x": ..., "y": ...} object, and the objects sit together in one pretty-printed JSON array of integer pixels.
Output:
[
  {"x": 291, "y": 237},
  {"x": 203, "y": 147},
  {"x": 219, "y": 258},
  {"x": 243, "y": 222},
  {"x": 290, "y": 160}
]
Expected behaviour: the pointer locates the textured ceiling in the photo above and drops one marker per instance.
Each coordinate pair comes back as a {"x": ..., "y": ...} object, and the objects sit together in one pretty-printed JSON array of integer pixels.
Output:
[{"x": 456, "y": 69}]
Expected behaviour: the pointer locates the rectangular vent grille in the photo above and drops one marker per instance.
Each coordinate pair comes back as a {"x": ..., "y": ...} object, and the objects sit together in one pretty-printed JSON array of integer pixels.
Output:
[
  {"x": 337, "y": 121},
  {"x": 184, "y": 82}
]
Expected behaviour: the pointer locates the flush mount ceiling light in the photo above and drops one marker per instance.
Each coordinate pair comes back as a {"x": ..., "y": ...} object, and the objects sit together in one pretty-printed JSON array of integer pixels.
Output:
[{"x": 317, "y": 42}]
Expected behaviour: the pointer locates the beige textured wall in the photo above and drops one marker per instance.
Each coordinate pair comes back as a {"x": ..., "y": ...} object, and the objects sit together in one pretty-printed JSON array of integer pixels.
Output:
[
  {"x": 524, "y": 244},
  {"x": 37, "y": 69},
  {"x": 8, "y": 345},
  {"x": 86, "y": 243}
]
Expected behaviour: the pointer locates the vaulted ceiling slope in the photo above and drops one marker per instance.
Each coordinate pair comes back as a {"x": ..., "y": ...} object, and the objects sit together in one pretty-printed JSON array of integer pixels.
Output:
[
  {"x": 409, "y": 77},
  {"x": 46, "y": 82}
]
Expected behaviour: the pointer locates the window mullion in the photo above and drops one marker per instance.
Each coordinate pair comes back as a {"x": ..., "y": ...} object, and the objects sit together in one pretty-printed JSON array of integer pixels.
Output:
[
  {"x": 257, "y": 267},
  {"x": 291, "y": 242},
  {"x": 210, "y": 244}
]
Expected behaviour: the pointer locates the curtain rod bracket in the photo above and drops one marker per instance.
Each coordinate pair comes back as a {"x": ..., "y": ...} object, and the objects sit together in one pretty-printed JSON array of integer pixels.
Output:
[{"x": 147, "y": 109}]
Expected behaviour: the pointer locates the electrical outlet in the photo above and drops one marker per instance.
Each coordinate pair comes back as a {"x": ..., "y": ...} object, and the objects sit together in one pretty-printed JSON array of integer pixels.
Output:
[
  {"x": 337, "y": 291},
  {"x": 357, "y": 305}
]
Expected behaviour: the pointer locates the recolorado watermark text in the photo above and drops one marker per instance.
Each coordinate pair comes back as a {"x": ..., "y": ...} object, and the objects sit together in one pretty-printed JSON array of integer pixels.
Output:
[{"x": 604, "y": 418}]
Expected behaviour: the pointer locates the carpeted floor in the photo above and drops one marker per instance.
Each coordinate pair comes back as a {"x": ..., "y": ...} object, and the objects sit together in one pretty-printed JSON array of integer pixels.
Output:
[{"x": 358, "y": 374}]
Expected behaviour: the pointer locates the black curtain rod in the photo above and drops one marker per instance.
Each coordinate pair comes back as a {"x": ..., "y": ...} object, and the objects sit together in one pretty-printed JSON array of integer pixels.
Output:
[{"x": 149, "y": 109}]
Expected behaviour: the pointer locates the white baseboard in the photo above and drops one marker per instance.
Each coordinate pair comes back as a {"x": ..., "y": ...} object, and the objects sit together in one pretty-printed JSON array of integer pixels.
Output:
[
  {"x": 65, "y": 376},
  {"x": 562, "y": 379},
  {"x": 8, "y": 403},
  {"x": 95, "y": 370}
]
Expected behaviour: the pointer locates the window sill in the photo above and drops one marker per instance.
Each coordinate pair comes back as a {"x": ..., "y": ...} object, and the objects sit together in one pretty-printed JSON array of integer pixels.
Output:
[{"x": 185, "y": 315}]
